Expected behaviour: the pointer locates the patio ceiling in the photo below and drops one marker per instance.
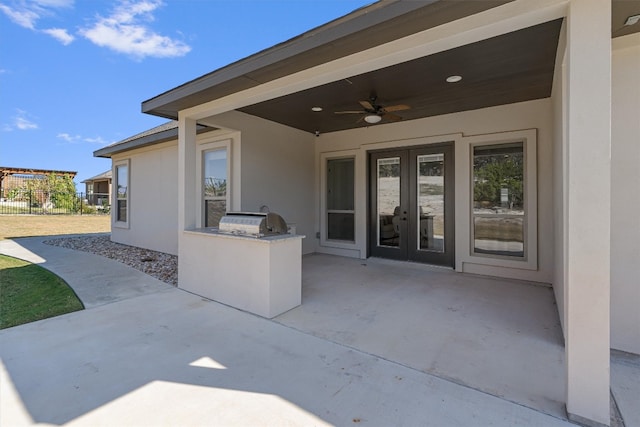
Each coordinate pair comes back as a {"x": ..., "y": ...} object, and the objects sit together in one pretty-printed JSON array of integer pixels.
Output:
[{"x": 514, "y": 67}]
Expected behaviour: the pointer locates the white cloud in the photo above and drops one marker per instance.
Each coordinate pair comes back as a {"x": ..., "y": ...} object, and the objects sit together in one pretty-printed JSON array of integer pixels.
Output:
[
  {"x": 25, "y": 124},
  {"x": 69, "y": 138},
  {"x": 55, "y": 3},
  {"x": 27, "y": 13},
  {"x": 23, "y": 16},
  {"x": 60, "y": 34},
  {"x": 125, "y": 31},
  {"x": 96, "y": 140},
  {"x": 21, "y": 121},
  {"x": 77, "y": 139}
]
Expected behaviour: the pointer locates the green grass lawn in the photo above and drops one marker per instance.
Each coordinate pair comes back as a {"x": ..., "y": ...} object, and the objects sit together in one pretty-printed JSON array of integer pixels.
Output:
[{"x": 29, "y": 293}]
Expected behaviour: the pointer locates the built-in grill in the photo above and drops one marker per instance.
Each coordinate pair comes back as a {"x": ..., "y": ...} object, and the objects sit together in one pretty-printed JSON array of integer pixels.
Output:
[{"x": 253, "y": 224}]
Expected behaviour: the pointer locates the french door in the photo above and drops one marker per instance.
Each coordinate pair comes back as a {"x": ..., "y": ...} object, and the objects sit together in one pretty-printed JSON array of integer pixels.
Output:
[{"x": 411, "y": 213}]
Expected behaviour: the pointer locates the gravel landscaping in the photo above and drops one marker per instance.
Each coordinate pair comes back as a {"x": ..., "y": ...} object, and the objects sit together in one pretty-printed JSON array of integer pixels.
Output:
[{"x": 156, "y": 264}]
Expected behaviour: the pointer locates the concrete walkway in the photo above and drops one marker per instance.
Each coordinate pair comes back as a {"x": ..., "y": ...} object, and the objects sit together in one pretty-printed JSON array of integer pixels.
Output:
[
  {"x": 145, "y": 353},
  {"x": 95, "y": 279}
]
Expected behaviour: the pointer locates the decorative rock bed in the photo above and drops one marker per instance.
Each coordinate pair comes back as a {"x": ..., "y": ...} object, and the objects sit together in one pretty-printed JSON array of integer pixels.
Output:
[{"x": 156, "y": 264}]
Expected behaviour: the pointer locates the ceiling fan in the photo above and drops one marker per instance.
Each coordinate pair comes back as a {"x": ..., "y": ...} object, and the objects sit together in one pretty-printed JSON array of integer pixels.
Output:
[{"x": 373, "y": 113}]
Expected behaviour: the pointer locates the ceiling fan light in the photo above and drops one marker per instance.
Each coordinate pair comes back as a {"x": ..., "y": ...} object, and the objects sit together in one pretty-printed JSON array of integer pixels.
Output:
[{"x": 372, "y": 118}]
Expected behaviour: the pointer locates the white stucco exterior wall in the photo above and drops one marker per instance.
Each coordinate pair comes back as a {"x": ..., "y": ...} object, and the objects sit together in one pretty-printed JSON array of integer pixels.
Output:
[
  {"x": 153, "y": 191},
  {"x": 535, "y": 115},
  {"x": 277, "y": 170},
  {"x": 625, "y": 194}
]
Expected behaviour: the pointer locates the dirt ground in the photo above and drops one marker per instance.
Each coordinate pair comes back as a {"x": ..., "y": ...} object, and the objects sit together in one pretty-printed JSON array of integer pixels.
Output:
[{"x": 52, "y": 225}]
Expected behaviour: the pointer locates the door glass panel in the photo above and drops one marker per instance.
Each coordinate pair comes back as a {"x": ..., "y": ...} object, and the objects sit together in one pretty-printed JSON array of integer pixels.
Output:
[
  {"x": 388, "y": 209},
  {"x": 430, "y": 203}
]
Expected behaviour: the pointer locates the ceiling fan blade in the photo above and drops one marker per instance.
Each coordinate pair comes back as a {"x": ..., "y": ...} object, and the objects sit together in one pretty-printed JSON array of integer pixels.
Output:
[
  {"x": 392, "y": 117},
  {"x": 367, "y": 105},
  {"x": 349, "y": 112},
  {"x": 396, "y": 108}
]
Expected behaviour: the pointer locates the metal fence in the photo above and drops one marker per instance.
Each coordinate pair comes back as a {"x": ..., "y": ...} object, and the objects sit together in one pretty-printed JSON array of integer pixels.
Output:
[{"x": 40, "y": 202}]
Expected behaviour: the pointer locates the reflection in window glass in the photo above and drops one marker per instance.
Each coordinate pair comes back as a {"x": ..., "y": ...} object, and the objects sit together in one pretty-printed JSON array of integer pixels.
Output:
[
  {"x": 431, "y": 202},
  {"x": 340, "y": 199},
  {"x": 388, "y": 198},
  {"x": 498, "y": 199},
  {"x": 214, "y": 186},
  {"x": 122, "y": 183}
]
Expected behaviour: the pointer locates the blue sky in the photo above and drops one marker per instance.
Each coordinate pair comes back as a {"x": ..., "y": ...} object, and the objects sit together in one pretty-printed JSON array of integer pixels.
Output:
[{"x": 73, "y": 73}]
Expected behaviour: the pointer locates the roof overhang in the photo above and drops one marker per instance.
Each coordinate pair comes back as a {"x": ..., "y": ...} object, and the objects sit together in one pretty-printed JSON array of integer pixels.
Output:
[
  {"x": 371, "y": 26},
  {"x": 157, "y": 135},
  {"x": 400, "y": 50}
]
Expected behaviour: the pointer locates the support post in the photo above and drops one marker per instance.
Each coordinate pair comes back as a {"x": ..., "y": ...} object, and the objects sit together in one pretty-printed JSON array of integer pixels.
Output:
[
  {"x": 186, "y": 173},
  {"x": 586, "y": 182}
]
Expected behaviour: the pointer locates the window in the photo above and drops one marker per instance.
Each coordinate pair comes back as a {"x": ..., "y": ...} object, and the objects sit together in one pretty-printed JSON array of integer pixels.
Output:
[
  {"x": 214, "y": 186},
  {"x": 498, "y": 213},
  {"x": 340, "y": 199},
  {"x": 122, "y": 192}
]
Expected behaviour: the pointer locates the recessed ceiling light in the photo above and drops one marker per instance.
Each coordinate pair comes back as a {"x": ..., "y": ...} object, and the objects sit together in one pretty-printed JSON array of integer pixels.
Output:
[
  {"x": 316, "y": 109},
  {"x": 454, "y": 79}
]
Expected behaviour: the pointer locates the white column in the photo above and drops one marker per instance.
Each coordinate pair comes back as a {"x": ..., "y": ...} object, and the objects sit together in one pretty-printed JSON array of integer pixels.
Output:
[
  {"x": 186, "y": 174},
  {"x": 587, "y": 201}
]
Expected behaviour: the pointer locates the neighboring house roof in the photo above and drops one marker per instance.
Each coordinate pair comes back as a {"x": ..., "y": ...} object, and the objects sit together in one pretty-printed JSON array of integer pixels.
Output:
[
  {"x": 165, "y": 132},
  {"x": 101, "y": 177}
]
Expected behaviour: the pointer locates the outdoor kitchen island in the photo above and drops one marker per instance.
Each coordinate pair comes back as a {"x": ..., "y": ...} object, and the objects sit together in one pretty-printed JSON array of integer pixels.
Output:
[{"x": 259, "y": 275}]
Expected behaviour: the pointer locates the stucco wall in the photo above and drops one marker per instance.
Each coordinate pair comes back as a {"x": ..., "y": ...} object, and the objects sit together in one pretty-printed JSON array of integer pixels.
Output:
[
  {"x": 153, "y": 195},
  {"x": 277, "y": 170},
  {"x": 526, "y": 115},
  {"x": 625, "y": 194}
]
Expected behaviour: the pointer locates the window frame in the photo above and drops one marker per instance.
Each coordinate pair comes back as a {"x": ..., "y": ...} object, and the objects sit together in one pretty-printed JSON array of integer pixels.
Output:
[
  {"x": 329, "y": 211},
  {"x": 324, "y": 223},
  {"x": 530, "y": 222},
  {"x": 115, "y": 183},
  {"x": 524, "y": 216},
  {"x": 200, "y": 169}
]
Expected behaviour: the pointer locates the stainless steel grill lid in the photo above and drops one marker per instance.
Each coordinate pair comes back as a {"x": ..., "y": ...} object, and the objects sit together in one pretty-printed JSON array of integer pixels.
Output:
[{"x": 254, "y": 224}]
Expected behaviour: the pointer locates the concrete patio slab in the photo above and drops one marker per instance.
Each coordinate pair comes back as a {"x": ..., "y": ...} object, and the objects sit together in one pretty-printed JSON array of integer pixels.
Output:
[
  {"x": 499, "y": 336},
  {"x": 625, "y": 386},
  {"x": 172, "y": 358}
]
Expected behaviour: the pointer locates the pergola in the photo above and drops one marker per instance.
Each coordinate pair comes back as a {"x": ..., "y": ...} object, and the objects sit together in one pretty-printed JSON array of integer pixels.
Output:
[{"x": 8, "y": 171}]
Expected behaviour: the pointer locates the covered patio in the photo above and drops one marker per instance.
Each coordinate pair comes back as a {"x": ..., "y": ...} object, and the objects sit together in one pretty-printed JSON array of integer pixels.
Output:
[
  {"x": 394, "y": 90},
  {"x": 499, "y": 336}
]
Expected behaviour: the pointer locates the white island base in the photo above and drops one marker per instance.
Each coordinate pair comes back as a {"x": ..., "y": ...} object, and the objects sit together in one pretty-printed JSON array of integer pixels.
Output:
[{"x": 259, "y": 275}]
